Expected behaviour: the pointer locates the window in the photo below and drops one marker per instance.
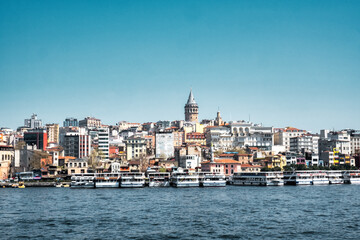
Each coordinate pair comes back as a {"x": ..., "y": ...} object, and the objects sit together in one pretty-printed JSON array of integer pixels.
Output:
[{"x": 227, "y": 171}]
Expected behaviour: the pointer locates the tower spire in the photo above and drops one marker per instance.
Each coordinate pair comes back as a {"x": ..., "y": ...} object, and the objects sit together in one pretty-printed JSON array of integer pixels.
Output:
[{"x": 191, "y": 99}]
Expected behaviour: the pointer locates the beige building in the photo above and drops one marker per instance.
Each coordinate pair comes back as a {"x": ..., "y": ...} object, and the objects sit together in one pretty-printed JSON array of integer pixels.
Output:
[
  {"x": 6, "y": 158},
  {"x": 90, "y": 122},
  {"x": 135, "y": 147},
  {"x": 52, "y": 133},
  {"x": 78, "y": 165}
]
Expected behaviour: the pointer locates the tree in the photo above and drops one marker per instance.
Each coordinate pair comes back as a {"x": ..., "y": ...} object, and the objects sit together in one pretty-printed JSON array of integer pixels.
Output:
[
  {"x": 20, "y": 145},
  {"x": 95, "y": 157},
  {"x": 35, "y": 159}
]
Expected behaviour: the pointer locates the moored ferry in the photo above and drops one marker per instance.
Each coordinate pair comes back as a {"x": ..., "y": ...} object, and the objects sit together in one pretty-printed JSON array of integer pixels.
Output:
[
  {"x": 184, "y": 179},
  {"x": 258, "y": 178},
  {"x": 297, "y": 178},
  {"x": 132, "y": 180},
  {"x": 335, "y": 177},
  {"x": 208, "y": 179},
  {"x": 82, "y": 180},
  {"x": 352, "y": 177},
  {"x": 107, "y": 180},
  {"x": 159, "y": 179},
  {"x": 319, "y": 177}
]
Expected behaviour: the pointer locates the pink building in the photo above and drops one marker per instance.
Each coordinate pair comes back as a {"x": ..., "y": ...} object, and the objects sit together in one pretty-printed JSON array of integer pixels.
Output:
[{"x": 222, "y": 166}]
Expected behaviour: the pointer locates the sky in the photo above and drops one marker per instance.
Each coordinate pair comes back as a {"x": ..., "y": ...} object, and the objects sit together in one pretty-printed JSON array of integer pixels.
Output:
[{"x": 279, "y": 63}]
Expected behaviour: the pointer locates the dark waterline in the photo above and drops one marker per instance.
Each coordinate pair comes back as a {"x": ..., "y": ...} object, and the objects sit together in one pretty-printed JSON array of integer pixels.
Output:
[{"x": 289, "y": 212}]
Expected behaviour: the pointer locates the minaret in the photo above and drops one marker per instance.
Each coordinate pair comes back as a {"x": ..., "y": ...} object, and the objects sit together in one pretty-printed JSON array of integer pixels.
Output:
[{"x": 191, "y": 109}]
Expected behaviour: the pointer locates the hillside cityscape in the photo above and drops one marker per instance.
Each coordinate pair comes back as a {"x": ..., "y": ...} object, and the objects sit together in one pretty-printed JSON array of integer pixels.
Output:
[{"x": 51, "y": 151}]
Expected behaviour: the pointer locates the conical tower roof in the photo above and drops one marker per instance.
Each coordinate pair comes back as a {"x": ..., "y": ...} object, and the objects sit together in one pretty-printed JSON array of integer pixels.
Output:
[{"x": 191, "y": 99}]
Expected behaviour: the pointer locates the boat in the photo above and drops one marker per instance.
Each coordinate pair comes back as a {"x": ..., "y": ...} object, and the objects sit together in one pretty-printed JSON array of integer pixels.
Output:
[
  {"x": 319, "y": 177},
  {"x": 132, "y": 180},
  {"x": 352, "y": 177},
  {"x": 208, "y": 179},
  {"x": 335, "y": 177},
  {"x": 159, "y": 179},
  {"x": 107, "y": 180},
  {"x": 82, "y": 180},
  {"x": 258, "y": 178},
  {"x": 184, "y": 179},
  {"x": 21, "y": 185},
  {"x": 297, "y": 178}
]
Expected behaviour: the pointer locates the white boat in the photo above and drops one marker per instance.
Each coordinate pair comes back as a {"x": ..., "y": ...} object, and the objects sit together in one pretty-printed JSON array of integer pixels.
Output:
[
  {"x": 132, "y": 180},
  {"x": 258, "y": 179},
  {"x": 352, "y": 177},
  {"x": 319, "y": 177},
  {"x": 297, "y": 178},
  {"x": 159, "y": 179},
  {"x": 82, "y": 180},
  {"x": 208, "y": 179},
  {"x": 184, "y": 179},
  {"x": 335, "y": 177},
  {"x": 107, "y": 180}
]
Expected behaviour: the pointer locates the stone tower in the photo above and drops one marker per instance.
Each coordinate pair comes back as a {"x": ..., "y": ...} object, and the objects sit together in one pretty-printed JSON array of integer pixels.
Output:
[{"x": 191, "y": 109}]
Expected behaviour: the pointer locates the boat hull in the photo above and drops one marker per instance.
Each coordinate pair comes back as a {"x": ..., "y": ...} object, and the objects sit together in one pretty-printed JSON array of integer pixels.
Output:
[
  {"x": 214, "y": 183},
  {"x": 132, "y": 185},
  {"x": 107, "y": 185},
  {"x": 82, "y": 185},
  {"x": 159, "y": 184},
  {"x": 184, "y": 184}
]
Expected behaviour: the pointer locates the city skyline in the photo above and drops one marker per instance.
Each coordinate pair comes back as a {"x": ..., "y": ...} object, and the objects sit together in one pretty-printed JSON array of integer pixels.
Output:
[{"x": 289, "y": 64}]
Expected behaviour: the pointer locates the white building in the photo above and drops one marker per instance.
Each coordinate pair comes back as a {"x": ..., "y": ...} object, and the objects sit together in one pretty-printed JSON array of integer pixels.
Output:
[
  {"x": 164, "y": 145},
  {"x": 103, "y": 142},
  {"x": 247, "y": 134},
  {"x": 305, "y": 143},
  {"x": 189, "y": 161},
  {"x": 282, "y": 136},
  {"x": 220, "y": 137}
]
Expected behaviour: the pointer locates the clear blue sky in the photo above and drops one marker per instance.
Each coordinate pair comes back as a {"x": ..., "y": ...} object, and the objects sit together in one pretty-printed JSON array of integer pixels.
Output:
[{"x": 284, "y": 63}]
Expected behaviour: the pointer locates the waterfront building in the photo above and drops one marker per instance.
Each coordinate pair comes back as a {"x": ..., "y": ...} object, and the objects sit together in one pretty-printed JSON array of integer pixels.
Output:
[
  {"x": 135, "y": 147},
  {"x": 250, "y": 168},
  {"x": 305, "y": 143},
  {"x": 220, "y": 137},
  {"x": 77, "y": 144},
  {"x": 247, "y": 134},
  {"x": 55, "y": 153},
  {"x": 90, "y": 122},
  {"x": 164, "y": 145},
  {"x": 337, "y": 145},
  {"x": 355, "y": 141},
  {"x": 190, "y": 161},
  {"x": 282, "y": 136},
  {"x": 191, "y": 109},
  {"x": 7, "y": 155},
  {"x": 103, "y": 142},
  {"x": 71, "y": 122},
  {"x": 222, "y": 166},
  {"x": 33, "y": 122},
  {"x": 36, "y": 137},
  {"x": 52, "y": 133},
  {"x": 77, "y": 165},
  {"x": 275, "y": 161}
]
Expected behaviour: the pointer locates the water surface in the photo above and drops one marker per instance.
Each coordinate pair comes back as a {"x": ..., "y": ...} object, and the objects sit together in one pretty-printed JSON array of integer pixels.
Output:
[{"x": 234, "y": 212}]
